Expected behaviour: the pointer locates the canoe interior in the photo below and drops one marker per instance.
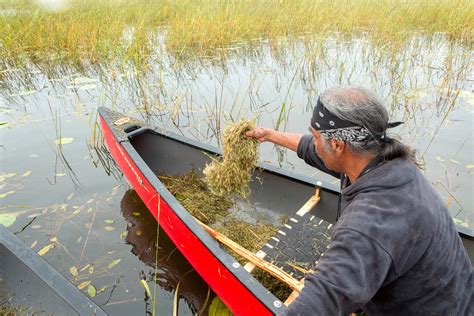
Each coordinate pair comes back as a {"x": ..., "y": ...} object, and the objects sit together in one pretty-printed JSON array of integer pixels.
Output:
[{"x": 270, "y": 192}]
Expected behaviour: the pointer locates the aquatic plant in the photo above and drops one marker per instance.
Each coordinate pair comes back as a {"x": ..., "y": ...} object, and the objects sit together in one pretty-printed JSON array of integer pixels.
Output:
[
  {"x": 198, "y": 28},
  {"x": 232, "y": 173}
]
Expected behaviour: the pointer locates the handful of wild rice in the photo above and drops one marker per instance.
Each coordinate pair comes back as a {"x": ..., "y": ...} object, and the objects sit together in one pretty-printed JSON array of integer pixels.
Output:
[{"x": 232, "y": 173}]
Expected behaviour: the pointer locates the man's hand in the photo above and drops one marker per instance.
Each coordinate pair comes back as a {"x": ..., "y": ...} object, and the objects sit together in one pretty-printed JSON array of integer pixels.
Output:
[
  {"x": 261, "y": 134},
  {"x": 288, "y": 140}
]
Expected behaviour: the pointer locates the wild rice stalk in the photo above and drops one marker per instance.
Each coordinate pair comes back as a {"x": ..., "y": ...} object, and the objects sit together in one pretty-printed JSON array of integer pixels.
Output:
[{"x": 232, "y": 174}]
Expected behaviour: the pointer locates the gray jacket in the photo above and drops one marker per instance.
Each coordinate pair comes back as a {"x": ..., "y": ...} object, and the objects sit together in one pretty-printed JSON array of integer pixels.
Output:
[{"x": 394, "y": 250}]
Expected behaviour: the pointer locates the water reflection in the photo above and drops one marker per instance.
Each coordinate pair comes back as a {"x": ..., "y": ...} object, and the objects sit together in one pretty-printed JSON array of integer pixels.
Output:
[{"x": 172, "y": 268}]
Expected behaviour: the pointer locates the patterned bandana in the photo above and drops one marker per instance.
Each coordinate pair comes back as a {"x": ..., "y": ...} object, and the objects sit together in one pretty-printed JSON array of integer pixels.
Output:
[{"x": 333, "y": 127}]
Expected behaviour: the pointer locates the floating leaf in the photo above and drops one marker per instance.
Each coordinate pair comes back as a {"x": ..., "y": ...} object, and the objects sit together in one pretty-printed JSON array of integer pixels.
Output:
[
  {"x": 70, "y": 196},
  {"x": 144, "y": 284},
  {"x": 109, "y": 221},
  {"x": 73, "y": 271},
  {"x": 109, "y": 228},
  {"x": 114, "y": 263},
  {"x": 440, "y": 159},
  {"x": 34, "y": 244},
  {"x": 34, "y": 215},
  {"x": 83, "y": 285},
  {"x": 3, "y": 195},
  {"x": 4, "y": 124},
  {"x": 76, "y": 212},
  {"x": 469, "y": 166},
  {"x": 139, "y": 232},
  {"x": 36, "y": 226},
  {"x": 7, "y": 220},
  {"x": 26, "y": 174},
  {"x": 454, "y": 161},
  {"x": 60, "y": 174},
  {"x": 136, "y": 213},
  {"x": 10, "y": 175},
  {"x": 91, "y": 269},
  {"x": 218, "y": 308},
  {"x": 123, "y": 234},
  {"x": 91, "y": 290},
  {"x": 90, "y": 201},
  {"x": 45, "y": 249},
  {"x": 102, "y": 290},
  {"x": 63, "y": 140},
  {"x": 54, "y": 239}
]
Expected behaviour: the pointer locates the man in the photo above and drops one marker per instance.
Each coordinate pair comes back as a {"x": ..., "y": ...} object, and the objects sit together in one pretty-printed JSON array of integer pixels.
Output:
[{"x": 394, "y": 248}]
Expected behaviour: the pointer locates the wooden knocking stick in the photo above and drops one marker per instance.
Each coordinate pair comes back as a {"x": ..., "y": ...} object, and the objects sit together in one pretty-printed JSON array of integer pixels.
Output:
[{"x": 278, "y": 273}]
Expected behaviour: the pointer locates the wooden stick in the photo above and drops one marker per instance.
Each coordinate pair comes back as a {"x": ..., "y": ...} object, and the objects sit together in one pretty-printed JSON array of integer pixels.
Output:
[
  {"x": 250, "y": 256},
  {"x": 308, "y": 206},
  {"x": 249, "y": 266}
]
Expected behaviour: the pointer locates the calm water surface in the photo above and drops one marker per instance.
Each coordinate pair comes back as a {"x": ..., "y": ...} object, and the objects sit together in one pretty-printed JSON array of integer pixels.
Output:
[{"x": 72, "y": 197}]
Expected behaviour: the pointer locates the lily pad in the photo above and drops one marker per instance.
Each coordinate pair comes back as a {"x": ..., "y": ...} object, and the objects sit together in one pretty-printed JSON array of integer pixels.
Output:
[
  {"x": 7, "y": 220},
  {"x": 64, "y": 140},
  {"x": 218, "y": 308},
  {"x": 91, "y": 290}
]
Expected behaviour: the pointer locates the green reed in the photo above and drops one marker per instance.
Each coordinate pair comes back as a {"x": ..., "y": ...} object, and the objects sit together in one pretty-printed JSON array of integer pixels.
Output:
[{"x": 129, "y": 30}]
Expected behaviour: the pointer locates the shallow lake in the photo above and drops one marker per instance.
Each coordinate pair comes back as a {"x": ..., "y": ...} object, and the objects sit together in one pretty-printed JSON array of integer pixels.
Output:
[{"x": 73, "y": 205}]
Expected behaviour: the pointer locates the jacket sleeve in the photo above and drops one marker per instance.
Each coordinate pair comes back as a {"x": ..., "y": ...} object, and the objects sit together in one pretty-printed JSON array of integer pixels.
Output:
[
  {"x": 307, "y": 152},
  {"x": 346, "y": 278}
]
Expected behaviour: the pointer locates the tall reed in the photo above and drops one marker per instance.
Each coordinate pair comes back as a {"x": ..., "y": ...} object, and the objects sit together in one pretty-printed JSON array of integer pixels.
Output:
[{"x": 111, "y": 29}]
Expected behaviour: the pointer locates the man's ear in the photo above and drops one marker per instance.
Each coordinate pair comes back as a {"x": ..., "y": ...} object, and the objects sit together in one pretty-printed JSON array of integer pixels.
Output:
[{"x": 337, "y": 146}]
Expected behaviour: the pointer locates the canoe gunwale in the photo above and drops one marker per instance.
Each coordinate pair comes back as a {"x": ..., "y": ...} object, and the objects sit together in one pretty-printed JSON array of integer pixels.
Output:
[{"x": 56, "y": 282}]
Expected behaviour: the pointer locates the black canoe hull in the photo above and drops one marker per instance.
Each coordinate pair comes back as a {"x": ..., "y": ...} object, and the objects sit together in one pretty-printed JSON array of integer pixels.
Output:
[{"x": 30, "y": 283}]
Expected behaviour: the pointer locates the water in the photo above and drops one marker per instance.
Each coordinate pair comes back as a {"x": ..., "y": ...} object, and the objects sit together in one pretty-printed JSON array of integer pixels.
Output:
[{"x": 71, "y": 197}]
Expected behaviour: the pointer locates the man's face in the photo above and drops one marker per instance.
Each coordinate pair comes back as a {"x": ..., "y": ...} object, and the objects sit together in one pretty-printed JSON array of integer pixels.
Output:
[{"x": 326, "y": 153}]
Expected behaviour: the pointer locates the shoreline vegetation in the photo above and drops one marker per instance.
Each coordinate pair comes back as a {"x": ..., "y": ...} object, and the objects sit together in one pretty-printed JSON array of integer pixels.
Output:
[{"x": 109, "y": 30}]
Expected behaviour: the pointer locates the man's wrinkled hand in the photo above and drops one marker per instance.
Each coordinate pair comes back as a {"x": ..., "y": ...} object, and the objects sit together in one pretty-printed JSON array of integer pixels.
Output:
[{"x": 260, "y": 134}]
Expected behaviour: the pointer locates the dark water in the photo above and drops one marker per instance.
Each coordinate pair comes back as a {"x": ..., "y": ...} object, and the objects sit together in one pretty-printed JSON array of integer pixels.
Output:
[{"x": 72, "y": 197}]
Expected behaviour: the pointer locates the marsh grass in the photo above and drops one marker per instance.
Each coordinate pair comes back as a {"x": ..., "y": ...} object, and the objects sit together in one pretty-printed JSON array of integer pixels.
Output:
[{"x": 127, "y": 30}]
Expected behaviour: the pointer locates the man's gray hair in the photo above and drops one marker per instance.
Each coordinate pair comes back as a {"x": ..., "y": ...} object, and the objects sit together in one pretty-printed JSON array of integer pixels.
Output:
[{"x": 364, "y": 108}]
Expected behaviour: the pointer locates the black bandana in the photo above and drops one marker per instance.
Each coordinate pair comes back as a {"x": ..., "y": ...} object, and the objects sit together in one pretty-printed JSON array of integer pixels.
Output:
[{"x": 333, "y": 127}]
